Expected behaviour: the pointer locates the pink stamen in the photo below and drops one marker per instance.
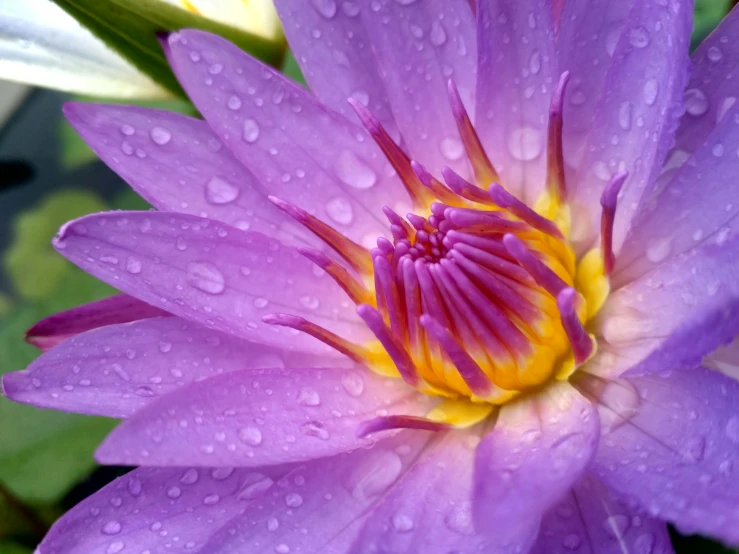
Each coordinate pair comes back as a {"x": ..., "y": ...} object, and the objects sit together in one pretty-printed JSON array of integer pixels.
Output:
[
  {"x": 387, "y": 289},
  {"x": 464, "y": 188},
  {"x": 433, "y": 185},
  {"x": 388, "y": 423},
  {"x": 555, "y": 151},
  {"x": 419, "y": 194},
  {"x": 544, "y": 277},
  {"x": 484, "y": 171},
  {"x": 357, "y": 256},
  {"x": 469, "y": 370},
  {"x": 506, "y": 200},
  {"x": 608, "y": 201},
  {"x": 390, "y": 342},
  {"x": 582, "y": 344}
]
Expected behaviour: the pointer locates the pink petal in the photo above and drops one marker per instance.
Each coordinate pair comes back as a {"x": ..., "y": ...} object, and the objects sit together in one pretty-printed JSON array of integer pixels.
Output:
[
  {"x": 300, "y": 150},
  {"x": 209, "y": 273},
  {"x": 120, "y": 308},
  {"x": 258, "y": 418},
  {"x": 116, "y": 370}
]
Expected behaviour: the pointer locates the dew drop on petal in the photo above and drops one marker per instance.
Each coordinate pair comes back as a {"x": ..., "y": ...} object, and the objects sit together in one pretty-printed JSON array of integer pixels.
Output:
[
  {"x": 658, "y": 249},
  {"x": 715, "y": 54},
  {"x": 535, "y": 62},
  {"x": 293, "y": 500},
  {"x": 315, "y": 429},
  {"x": 725, "y": 106},
  {"x": 234, "y": 102},
  {"x": 438, "y": 34},
  {"x": 732, "y": 429},
  {"x": 340, "y": 210},
  {"x": 572, "y": 541},
  {"x": 327, "y": 8},
  {"x": 133, "y": 265},
  {"x": 160, "y": 135},
  {"x": 113, "y": 527},
  {"x": 250, "y": 131},
  {"x": 638, "y": 37},
  {"x": 402, "y": 523},
  {"x": 220, "y": 191},
  {"x": 206, "y": 277},
  {"x": 309, "y": 397},
  {"x": 651, "y": 89},
  {"x": 251, "y": 436},
  {"x": 525, "y": 144},
  {"x": 353, "y": 384},
  {"x": 375, "y": 475},
  {"x": 624, "y": 115},
  {"x": 452, "y": 148},
  {"x": 696, "y": 102},
  {"x": 353, "y": 171}
]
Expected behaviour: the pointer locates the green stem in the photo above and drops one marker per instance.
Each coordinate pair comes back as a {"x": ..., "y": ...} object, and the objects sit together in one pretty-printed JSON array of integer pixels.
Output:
[{"x": 26, "y": 512}]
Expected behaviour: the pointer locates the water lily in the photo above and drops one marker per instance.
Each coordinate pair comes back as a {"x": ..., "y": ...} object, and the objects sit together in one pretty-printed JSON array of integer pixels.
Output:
[
  {"x": 474, "y": 308},
  {"x": 42, "y": 45}
]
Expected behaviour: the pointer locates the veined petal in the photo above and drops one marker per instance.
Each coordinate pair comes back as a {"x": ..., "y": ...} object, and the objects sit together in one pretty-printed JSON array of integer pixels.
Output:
[
  {"x": 320, "y": 507},
  {"x": 538, "y": 449},
  {"x": 259, "y": 417},
  {"x": 42, "y": 45},
  {"x": 178, "y": 164},
  {"x": 315, "y": 30},
  {"x": 120, "y": 308},
  {"x": 642, "y": 91},
  {"x": 672, "y": 316},
  {"x": 411, "y": 522},
  {"x": 418, "y": 48},
  {"x": 697, "y": 207},
  {"x": 150, "y": 507},
  {"x": 209, "y": 273},
  {"x": 301, "y": 151},
  {"x": 711, "y": 91},
  {"x": 591, "y": 520},
  {"x": 680, "y": 427},
  {"x": 116, "y": 370},
  {"x": 516, "y": 79}
]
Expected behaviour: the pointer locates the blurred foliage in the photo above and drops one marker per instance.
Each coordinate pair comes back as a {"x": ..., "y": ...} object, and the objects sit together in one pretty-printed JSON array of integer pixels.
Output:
[{"x": 33, "y": 441}]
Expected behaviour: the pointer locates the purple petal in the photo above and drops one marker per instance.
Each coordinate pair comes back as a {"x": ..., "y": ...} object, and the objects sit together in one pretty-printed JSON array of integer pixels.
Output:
[
  {"x": 259, "y": 417},
  {"x": 430, "y": 510},
  {"x": 332, "y": 47},
  {"x": 697, "y": 206},
  {"x": 591, "y": 520},
  {"x": 419, "y": 46},
  {"x": 673, "y": 448},
  {"x": 167, "y": 510},
  {"x": 178, "y": 164},
  {"x": 120, "y": 308},
  {"x": 209, "y": 273},
  {"x": 319, "y": 508},
  {"x": 634, "y": 121},
  {"x": 537, "y": 450},
  {"x": 300, "y": 150},
  {"x": 672, "y": 316},
  {"x": 588, "y": 34},
  {"x": 712, "y": 89},
  {"x": 515, "y": 84},
  {"x": 116, "y": 370}
]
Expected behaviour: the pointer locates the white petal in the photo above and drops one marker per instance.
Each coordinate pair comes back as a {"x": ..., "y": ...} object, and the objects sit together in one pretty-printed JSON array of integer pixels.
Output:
[
  {"x": 255, "y": 16},
  {"x": 41, "y": 44}
]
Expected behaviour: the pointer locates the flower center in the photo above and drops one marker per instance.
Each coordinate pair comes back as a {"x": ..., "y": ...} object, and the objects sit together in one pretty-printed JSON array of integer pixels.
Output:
[{"x": 478, "y": 297}]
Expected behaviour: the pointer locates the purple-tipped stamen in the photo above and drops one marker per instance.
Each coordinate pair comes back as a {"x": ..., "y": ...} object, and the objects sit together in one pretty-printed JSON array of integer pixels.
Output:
[
  {"x": 582, "y": 344},
  {"x": 433, "y": 185},
  {"x": 506, "y": 200},
  {"x": 464, "y": 188},
  {"x": 555, "y": 150},
  {"x": 389, "y": 423},
  {"x": 544, "y": 277},
  {"x": 608, "y": 202}
]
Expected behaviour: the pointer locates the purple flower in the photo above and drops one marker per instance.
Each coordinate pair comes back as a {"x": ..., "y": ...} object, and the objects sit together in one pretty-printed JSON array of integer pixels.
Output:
[{"x": 526, "y": 362}]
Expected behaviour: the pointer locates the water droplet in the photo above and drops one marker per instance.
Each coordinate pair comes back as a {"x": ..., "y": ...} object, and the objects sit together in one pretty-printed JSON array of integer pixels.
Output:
[
  {"x": 315, "y": 429},
  {"x": 113, "y": 527},
  {"x": 174, "y": 492},
  {"x": 638, "y": 37},
  {"x": 309, "y": 302},
  {"x": 211, "y": 499},
  {"x": 353, "y": 171},
  {"x": 725, "y": 106},
  {"x": 115, "y": 547},
  {"x": 353, "y": 384},
  {"x": 293, "y": 500},
  {"x": 717, "y": 150},
  {"x": 206, "y": 277},
  {"x": 714, "y": 54},
  {"x": 438, "y": 34},
  {"x": 732, "y": 429},
  {"x": 282, "y": 548},
  {"x": 525, "y": 144},
  {"x": 402, "y": 523},
  {"x": 250, "y": 130},
  {"x": 254, "y": 485},
  {"x": 251, "y": 436},
  {"x": 535, "y": 62},
  {"x": 272, "y": 524},
  {"x": 308, "y": 397},
  {"x": 340, "y": 210},
  {"x": 350, "y": 9},
  {"x": 234, "y": 102},
  {"x": 459, "y": 518},
  {"x": 624, "y": 115},
  {"x": 452, "y": 148},
  {"x": 220, "y": 191},
  {"x": 145, "y": 392},
  {"x": 651, "y": 89},
  {"x": 127, "y": 129},
  {"x": 696, "y": 102},
  {"x": 572, "y": 541},
  {"x": 658, "y": 249},
  {"x": 190, "y": 476},
  {"x": 133, "y": 265},
  {"x": 327, "y": 8},
  {"x": 375, "y": 474},
  {"x": 260, "y": 302},
  {"x": 134, "y": 486},
  {"x": 160, "y": 135}
]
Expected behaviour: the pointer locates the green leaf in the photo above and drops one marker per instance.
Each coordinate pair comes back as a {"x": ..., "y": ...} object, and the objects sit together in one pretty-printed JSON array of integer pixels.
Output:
[
  {"x": 130, "y": 27},
  {"x": 707, "y": 14},
  {"x": 32, "y": 264},
  {"x": 292, "y": 69}
]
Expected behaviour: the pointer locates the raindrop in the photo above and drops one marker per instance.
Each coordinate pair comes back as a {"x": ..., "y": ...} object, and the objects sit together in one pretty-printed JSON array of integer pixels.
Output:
[
  {"x": 638, "y": 37},
  {"x": 624, "y": 115},
  {"x": 452, "y": 148},
  {"x": 309, "y": 302},
  {"x": 459, "y": 519},
  {"x": 340, "y": 210},
  {"x": 658, "y": 249},
  {"x": 651, "y": 89},
  {"x": 254, "y": 485},
  {"x": 234, "y": 102},
  {"x": 127, "y": 129},
  {"x": 696, "y": 102},
  {"x": 282, "y": 548},
  {"x": 293, "y": 500},
  {"x": 726, "y": 105},
  {"x": 353, "y": 384},
  {"x": 220, "y": 191},
  {"x": 327, "y": 8},
  {"x": 375, "y": 475},
  {"x": 251, "y": 436},
  {"x": 353, "y": 171},
  {"x": 250, "y": 130},
  {"x": 206, "y": 277},
  {"x": 174, "y": 492},
  {"x": 732, "y": 429},
  {"x": 115, "y": 547},
  {"x": 190, "y": 476},
  {"x": 438, "y": 34},
  {"x": 402, "y": 523},
  {"x": 535, "y": 62},
  {"x": 572, "y": 541},
  {"x": 221, "y": 473},
  {"x": 133, "y": 265},
  {"x": 525, "y": 144},
  {"x": 160, "y": 135},
  {"x": 111, "y": 528},
  {"x": 272, "y": 524},
  {"x": 315, "y": 429},
  {"x": 211, "y": 499},
  {"x": 309, "y": 397},
  {"x": 350, "y": 9},
  {"x": 714, "y": 54}
]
